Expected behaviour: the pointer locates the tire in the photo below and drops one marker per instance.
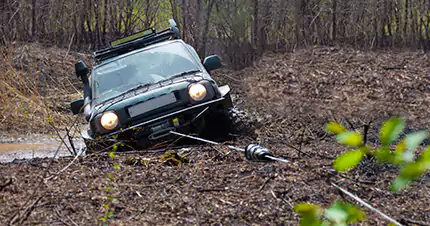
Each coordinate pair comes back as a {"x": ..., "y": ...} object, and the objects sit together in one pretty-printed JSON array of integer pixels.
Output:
[
  {"x": 226, "y": 124},
  {"x": 241, "y": 124}
]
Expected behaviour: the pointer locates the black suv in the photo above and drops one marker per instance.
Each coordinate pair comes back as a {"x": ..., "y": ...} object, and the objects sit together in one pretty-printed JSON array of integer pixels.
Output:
[{"x": 144, "y": 86}]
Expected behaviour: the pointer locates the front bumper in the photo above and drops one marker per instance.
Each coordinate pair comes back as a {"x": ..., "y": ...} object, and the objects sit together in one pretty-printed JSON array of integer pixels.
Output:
[{"x": 198, "y": 111}]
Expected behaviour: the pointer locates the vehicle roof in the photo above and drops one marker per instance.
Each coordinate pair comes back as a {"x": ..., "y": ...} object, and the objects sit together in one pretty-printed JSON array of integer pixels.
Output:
[{"x": 137, "y": 50}]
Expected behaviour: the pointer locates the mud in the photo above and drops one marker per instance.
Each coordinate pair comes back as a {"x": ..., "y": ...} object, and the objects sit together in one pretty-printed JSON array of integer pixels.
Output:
[
  {"x": 291, "y": 96},
  {"x": 21, "y": 147}
]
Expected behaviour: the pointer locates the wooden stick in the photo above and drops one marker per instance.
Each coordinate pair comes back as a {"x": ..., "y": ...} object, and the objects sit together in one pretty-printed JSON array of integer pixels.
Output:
[{"x": 367, "y": 205}]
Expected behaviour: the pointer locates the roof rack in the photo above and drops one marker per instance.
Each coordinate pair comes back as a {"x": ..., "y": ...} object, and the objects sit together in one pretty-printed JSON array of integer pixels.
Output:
[{"x": 136, "y": 41}]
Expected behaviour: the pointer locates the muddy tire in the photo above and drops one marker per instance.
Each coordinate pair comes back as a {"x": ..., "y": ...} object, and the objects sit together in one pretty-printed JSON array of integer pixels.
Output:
[
  {"x": 227, "y": 124},
  {"x": 241, "y": 123}
]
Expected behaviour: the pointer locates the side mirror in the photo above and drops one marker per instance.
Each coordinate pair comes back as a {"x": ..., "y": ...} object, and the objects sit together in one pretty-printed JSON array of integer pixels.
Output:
[
  {"x": 81, "y": 70},
  {"x": 77, "y": 106},
  {"x": 212, "y": 62}
]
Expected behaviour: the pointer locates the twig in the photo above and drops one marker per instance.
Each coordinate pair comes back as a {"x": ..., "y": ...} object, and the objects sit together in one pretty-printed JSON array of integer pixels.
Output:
[
  {"x": 33, "y": 192},
  {"x": 349, "y": 123},
  {"x": 265, "y": 182},
  {"x": 62, "y": 170},
  {"x": 416, "y": 222},
  {"x": 9, "y": 182},
  {"x": 70, "y": 45},
  {"x": 72, "y": 145},
  {"x": 61, "y": 138},
  {"x": 60, "y": 217},
  {"x": 209, "y": 189},
  {"x": 367, "y": 205},
  {"x": 25, "y": 214},
  {"x": 13, "y": 15},
  {"x": 287, "y": 202}
]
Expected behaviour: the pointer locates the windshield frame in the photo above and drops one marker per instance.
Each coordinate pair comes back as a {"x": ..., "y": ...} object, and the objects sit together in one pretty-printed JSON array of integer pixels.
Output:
[{"x": 191, "y": 54}]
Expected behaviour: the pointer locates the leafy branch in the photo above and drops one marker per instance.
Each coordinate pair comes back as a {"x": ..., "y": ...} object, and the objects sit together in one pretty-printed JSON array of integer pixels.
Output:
[
  {"x": 339, "y": 213},
  {"x": 402, "y": 154}
]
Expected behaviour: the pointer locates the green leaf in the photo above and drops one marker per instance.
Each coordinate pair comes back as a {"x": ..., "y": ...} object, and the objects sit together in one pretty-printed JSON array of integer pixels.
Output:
[
  {"x": 398, "y": 157},
  {"x": 343, "y": 212},
  {"x": 112, "y": 154},
  {"x": 309, "y": 214},
  {"x": 355, "y": 214},
  {"x": 116, "y": 166},
  {"x": 115, "y": 147},
  {"x": 350, "y": 138},
  {"x": 305, "y": 208},
  {"x": 336, "y": 214},
  {"x": 413, "y": 170},
  {"x": 347, "y": 160},
  {"x": 110, "y": 176},
  {"x": 335, "y": 127},
  {"x": 106, "y": 206},
  {"x": 390, "y": 130},
  {"x": 50, "y": 120},
  {"x": 110, "y": 197},
  {"x": 425, "y": 156},
  {"x": 401, "y": 147},
  {"x": 399, "y": 183},
  {"x": 412, "y": 140},
  {"x": 383, "y": 154}
]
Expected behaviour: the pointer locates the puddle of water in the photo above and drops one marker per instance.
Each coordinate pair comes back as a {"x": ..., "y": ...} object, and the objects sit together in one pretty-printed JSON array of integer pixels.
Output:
[{"x": 33, "y": 146}]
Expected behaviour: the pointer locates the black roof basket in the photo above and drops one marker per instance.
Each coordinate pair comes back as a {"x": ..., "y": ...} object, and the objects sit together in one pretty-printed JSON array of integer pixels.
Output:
[{"x": 136, "y": 41}]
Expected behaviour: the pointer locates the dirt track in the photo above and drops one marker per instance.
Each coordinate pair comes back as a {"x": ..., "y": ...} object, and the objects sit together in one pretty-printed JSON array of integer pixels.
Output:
[{"x": 291, "y": 96}]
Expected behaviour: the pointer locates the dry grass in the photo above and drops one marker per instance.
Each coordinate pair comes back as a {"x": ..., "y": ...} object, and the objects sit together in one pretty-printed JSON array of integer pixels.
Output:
[{"x": 36, "y": 84}]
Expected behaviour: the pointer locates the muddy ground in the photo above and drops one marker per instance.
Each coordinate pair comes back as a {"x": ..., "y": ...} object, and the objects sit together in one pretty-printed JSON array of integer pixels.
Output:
[{"x": 289, "y": 97}]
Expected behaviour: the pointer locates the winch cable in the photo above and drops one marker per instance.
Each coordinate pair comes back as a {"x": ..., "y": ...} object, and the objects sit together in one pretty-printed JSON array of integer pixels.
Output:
[{"x": 252, "y": 152}]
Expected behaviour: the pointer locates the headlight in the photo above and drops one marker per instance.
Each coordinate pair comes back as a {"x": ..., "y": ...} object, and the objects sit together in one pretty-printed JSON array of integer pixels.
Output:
[
  {"x": 109, "y": 120},
  {"x": 197, "y": 92}
]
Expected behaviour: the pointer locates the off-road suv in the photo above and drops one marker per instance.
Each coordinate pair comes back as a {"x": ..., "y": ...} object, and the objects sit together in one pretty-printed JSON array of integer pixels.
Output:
[{"x": 144, "y": 86}]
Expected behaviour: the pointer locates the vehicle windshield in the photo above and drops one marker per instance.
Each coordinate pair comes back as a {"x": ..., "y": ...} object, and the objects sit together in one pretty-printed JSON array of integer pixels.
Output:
[{"x": 149, "y": 66}]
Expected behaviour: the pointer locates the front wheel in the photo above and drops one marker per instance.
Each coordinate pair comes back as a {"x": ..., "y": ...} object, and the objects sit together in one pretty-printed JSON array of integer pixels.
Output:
[{"x": 226, "y": 124}]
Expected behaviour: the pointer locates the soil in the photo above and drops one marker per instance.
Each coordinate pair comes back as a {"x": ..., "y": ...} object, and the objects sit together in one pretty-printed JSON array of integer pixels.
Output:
[{"x": 290, "y": 97}]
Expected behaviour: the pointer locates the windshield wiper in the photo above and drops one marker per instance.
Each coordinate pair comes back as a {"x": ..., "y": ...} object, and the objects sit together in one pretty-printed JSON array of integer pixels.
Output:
[{"x": 137, "y": 87}]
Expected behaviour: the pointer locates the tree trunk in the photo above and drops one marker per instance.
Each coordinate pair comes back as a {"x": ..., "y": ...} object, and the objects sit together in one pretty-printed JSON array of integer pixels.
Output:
[
  {"x": 105, "y": 16},
  {"x": 210, "y": 5},
  {"x": 33, "y": 21},
  {"x": 255, "y": 25},
  {"x": 334, "y": 9}
]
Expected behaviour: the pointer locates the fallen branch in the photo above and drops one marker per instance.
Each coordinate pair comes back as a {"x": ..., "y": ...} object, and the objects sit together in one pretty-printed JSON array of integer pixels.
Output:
[
  {"x": 20, "y": 218},
  {"x": 265, "y": 182},
  {"x": 62, "y": 170},
  {"x": 285, "y": 201},
  {"x": 9, "y": 182},
  {"x": 415, "y": 222},
  {"x": 367, "y": 205}
]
